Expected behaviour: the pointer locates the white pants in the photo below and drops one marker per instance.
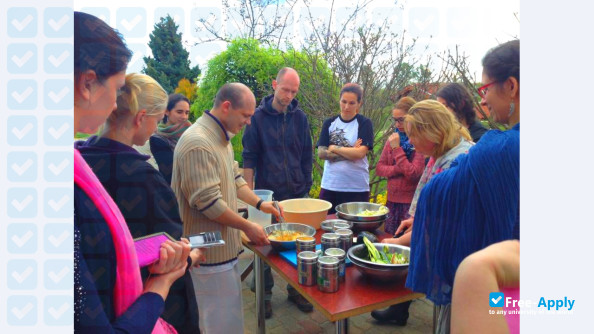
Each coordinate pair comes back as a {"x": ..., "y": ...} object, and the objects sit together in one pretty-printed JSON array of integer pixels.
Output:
[{"x": 218, "y": 294}]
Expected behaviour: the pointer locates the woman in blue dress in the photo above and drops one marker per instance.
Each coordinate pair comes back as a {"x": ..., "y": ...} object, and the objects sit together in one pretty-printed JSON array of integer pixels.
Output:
[{"x": 476, "y": 202}]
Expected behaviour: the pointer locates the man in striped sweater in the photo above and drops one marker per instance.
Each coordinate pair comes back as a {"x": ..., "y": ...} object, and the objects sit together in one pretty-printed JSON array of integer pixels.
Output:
[{"x": 207, "y": 183}]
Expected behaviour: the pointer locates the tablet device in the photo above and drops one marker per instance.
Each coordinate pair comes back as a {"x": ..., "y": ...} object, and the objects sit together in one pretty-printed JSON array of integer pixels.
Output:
[{"x": 147, "y": 247}]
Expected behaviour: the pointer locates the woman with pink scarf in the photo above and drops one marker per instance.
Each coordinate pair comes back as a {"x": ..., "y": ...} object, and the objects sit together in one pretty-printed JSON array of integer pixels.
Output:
[{"x": 108, "y": 291}]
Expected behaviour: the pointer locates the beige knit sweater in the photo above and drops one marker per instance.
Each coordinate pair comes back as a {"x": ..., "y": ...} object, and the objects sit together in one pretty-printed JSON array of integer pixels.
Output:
[{"x": 205, "y": 181}]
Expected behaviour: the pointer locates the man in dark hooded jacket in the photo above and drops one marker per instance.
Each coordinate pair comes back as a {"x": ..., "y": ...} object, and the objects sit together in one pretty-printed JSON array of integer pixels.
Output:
[{"x": 278, "y": 154}]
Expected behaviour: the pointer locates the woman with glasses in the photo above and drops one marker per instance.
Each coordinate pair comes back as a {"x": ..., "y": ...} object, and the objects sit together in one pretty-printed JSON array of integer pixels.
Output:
[
  {"x": 344, "y": 142},
  {"x": 459, "y": 101},
  {"x": 479, "y": 197},
  {"x": 435, "y": 132},
  {"x": 401, "y": 165}
]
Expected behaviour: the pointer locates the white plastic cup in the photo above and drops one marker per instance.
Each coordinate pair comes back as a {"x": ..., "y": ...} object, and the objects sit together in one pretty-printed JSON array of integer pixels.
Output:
[{"x": 257, "y": 216}]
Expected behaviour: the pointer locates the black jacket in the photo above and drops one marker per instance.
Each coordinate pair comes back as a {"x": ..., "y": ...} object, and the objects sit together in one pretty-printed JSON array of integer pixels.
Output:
[
  {"x": 278, "y": 147},
  {"x": 162, "y": 150},
  {"x": 149, "y": 205}
]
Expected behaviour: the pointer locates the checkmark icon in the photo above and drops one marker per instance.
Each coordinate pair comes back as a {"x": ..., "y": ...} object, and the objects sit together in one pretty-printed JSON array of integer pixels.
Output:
[
  {"x": 21, "y": 277},
  {"x": 59, "y": 132},
  {"x": 56, "y": 278},
  {"x": 21, "y": 241},
  {"x": 93, "y": 313},
  {"x": 130, "y": 205},
  {"x": 57, "y": 241},
  {"x": 59, "y": 204},
  {"x": 21, "y": 25},
  {"x": 22, "y": 169},
  {"x": 167, "y": 205},
  {"x": 130, "y": 169},
  {"x": 129, "y": 25},
  {"x": 21, "y": 133},
  {"x": 21, "y": 205},
  {"x": 59, "y": 168},
  {"x": 96, "y": 275},
  {"x": 496, "y": 299},
  {"x": 20, "y": 97},
  {"x": 92, "y": 25},
  {"x": 94, "y": 60},
  {"x": 135, "y": 57},
  {"x": 423, "y": 24},
  {"x": 20, "y": 61},
  {"x": 20, "y": 313},
  {"x": 59, "y": 24},
  {"x": 58, "y": 313},
  {"x": 59, "y": 96},
  {"x": 93, "y": 241},
  {"x": 57, "y": 61}
]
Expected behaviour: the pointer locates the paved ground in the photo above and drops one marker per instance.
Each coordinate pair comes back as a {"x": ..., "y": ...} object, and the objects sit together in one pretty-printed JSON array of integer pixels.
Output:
[{"x": 287, "y": 318}]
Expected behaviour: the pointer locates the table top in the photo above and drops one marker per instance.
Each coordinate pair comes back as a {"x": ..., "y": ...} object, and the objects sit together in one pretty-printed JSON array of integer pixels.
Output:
[{"x": 355, "y": 296}]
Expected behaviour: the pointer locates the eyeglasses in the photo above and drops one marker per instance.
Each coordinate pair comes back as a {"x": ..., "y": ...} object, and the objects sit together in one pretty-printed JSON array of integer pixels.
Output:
[
  {"x": 397, "y": 119},
  {"x": 482, "y": 90}
]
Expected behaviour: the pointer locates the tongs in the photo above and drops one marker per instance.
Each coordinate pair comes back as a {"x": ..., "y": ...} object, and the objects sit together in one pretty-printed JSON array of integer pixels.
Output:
[{"x": 281, "y": 219}]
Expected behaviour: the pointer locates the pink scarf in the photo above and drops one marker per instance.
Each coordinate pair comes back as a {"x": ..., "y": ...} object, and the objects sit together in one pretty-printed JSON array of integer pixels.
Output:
[{"x": 128, "y": 285}]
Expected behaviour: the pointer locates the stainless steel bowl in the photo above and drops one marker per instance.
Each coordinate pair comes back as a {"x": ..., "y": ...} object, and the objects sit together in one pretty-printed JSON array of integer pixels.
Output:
[
  {"x": 350, "y": 211},
  {"x": 367, "y": 226},
  {"x": 328, "y": 225},
  {"x": 358, "y": 255},
  {"x": 293, "y": 227}
]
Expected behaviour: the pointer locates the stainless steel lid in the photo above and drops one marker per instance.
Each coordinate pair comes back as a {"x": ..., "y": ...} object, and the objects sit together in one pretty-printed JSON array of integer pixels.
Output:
[
  {"x": 307, "y": 256},
  {"x": 306, "y": 240},
  {"x": 344, "y": 233},
  {"x": 330, "y": 237},
  {"x": 328, "y": 261},
  {"x": 336, "y": 252}
]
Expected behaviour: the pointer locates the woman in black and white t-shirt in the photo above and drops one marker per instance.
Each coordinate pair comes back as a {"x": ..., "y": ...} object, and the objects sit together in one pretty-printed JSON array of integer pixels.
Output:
[{"x": 344, "y": 142}]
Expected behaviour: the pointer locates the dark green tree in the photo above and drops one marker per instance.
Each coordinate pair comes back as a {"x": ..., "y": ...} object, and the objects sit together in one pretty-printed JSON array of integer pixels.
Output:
[{"x": 170, "y": 62}]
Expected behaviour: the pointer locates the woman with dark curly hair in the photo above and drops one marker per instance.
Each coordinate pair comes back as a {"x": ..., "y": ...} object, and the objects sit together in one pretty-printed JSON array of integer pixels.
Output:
[{"x": 459, "y": 101}]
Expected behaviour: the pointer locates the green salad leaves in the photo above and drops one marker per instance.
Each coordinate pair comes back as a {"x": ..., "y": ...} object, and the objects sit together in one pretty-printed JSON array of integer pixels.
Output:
[{"x": 384, "y": 257}]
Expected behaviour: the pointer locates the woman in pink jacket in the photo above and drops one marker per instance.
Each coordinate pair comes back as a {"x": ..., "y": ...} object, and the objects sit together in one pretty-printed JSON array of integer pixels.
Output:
[{"x": 402, "y": 166}]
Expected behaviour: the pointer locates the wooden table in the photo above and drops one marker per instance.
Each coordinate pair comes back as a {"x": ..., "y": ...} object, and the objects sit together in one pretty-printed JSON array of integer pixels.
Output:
[{"x": 355, "y": 296}]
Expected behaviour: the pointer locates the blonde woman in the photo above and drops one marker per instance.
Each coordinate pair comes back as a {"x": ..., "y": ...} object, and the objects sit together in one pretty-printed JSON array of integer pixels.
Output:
[
  {"x": 143, "y": 196},
  {"x": 435, "y": 132}
]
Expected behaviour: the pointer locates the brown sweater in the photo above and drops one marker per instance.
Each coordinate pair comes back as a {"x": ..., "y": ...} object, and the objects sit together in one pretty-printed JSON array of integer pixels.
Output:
[{"x": 205, "y": 181}]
